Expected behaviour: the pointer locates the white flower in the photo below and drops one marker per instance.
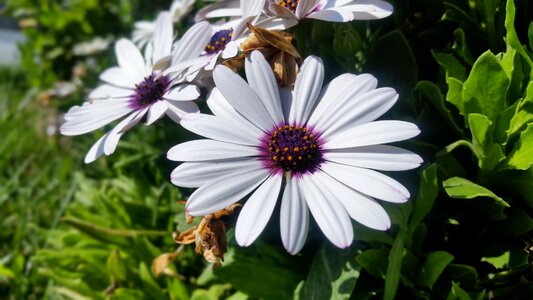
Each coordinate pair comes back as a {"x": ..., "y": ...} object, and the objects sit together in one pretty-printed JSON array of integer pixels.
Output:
[
  {"x": 283, "y": 14},
  {"x": 144, "y": 30},
  {"x": 138, "y": 86},
  {"x": 236, "y": 9},
  {"x": 317, "y": 147},
  {"x": 91, "y": 47}
]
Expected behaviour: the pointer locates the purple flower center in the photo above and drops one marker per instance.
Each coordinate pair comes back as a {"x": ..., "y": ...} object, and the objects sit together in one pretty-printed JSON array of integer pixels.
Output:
[
  {"x": 292, "y": 148},
  {"x": 149, "y": 91},
  {"x": 218, "y": 41},
  {"x": 289, "y": 4}
]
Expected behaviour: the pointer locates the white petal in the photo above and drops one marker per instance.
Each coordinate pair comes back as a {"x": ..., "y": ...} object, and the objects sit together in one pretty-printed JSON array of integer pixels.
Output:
[
  {"x": 333, "y": 15},
  {"x": 369, "y": 182},
  {"x": 183, "y": 92},
  {"x": 328, "y": 213},
  {"x": 362, "y": 109},
  {"x": 281, "y": 11},
  {"x": 219, "y": 129},
  {"x": 105, "y": 91},
  {"x": 276, "y": 23},
  {"x": 374, "y": 133},
  {"x": 377, "y": 157},
  {"x": 251, "y": 8},
  {"x": 176, "y": 109},
  {"x": 361, "y": 208},
  {"x": 93, "y": 115},
  {"x": 257, "y": 210},
  {"x": 261, "y": 79},
  {"x": 121, "y": 77},
  {"x": 337, "y": 94},
  {"x": 157, "y": 110},
  {"x": 162, "y": 36},
  {"x": 231, "y": 50},
  {"x": 130, "y": 58},
  {"x": 221, "y": 9},
  {"x": 192, "y": 43},
  {"x": 294, "y": 217},
  {"x": 202, "y": 150},
  {"x": 305, "y": 7},
  {"x": 371, "y": 9},
  {"x": 220, "y": 107},
  {"x": 221, "y": 193},
  {"x": 108, "y": 142},
  {"x": 243, "y": 99},
  {"x": 195, "y": 174},
  {"x": 306, "y": 89}
]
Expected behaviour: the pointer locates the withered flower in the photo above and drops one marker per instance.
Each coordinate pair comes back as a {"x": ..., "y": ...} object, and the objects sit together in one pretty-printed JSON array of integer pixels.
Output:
[
  {"x": 209, "y": 236},
  {"x": 160, "y": 265},
  {"x": 277, "y": 48}
]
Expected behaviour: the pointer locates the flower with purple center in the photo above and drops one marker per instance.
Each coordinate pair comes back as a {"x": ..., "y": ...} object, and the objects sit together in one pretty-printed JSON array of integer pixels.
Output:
[
  {"x": 317, "y": 148},
  {"x": 218, "y": 41},
  {"x": 150, "y": 86}
]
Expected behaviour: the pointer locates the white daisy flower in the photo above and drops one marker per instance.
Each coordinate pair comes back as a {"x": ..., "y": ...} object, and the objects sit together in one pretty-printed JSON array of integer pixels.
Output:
[
  {"x": 283, "y": 14},
  {"x": 236, "y": 9},
  {"x": 144, "y": 30},
  {"x": 140, "y": 86},
  {"x": 318, "y": 147}
]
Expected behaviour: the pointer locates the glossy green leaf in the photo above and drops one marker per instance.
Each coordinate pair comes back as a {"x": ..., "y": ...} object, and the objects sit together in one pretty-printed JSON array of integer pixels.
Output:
[
  {"x": 480, "y": 127},
  {"x": 524, "y": 112},
  {"x": 374, "y": 261},
  {"x": 457, "y": 293},
  {"x": 432, "y": 92},
  {"x": 451, "y": 65},
  {"x": 500, "y": 261},
  {"x": 332, "y": 275},
  {"x": 426, "y": 196},
  {"x": 116, "y": 266},
  {"x": 485, "y": 89},
  {"x": 455, "y": 94},
  {"x": 392, "y": 276},
  {"x": 512, "y": 36},
  {"x": 433, "y": 267},
  {"x": 521, "y": 156},
  {"x": 461, "y": 188}
]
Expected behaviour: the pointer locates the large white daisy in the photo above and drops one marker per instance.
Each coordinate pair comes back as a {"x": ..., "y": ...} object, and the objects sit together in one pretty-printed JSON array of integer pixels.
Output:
[
  {"x": 318, "y": 147},
  {"x": 138, "y": 86}
]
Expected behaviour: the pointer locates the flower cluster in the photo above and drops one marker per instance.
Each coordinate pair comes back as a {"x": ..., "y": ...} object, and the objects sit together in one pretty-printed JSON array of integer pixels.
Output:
[{"x": 281, "y": 134}]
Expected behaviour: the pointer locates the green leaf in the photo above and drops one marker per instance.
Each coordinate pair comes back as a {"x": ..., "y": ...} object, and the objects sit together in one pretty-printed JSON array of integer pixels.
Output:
[
  {"x": 512, "y": 36},
  {"x": 485, "y": 89},
  {"x": 177, "y": 290},
  {"x": 461, "y": 188},
  {"x": 427, "y": 194},
  {"x": 276, "y": 279},
  {"x": 116, "y": 266},
  {"x": 392, "y": 276},
  {"x": 480, "y": 127},
  {"x": 332, "y": 275},
  {"x": 432, "y": 92},
  {"x": 451, "y": 65},
  {"x": 399, "y": 70},
  {"x": 521, "y": 157},
  {"x": 464, "y": 274},
  {"x": 530, "y": 35},
  {"x": 5, "y": 272},
  {"x": 524, "y": 112},
  {"x": 433, "y": 267},
  {"x": 149, "y": 284},
  {"x": 518, "y": 222},
  {"x": 500, "y": 261},
  {"x": 457, "y": 293},
  {"x": 455, "y": 94},
  {"x": 374, "y": 261}
]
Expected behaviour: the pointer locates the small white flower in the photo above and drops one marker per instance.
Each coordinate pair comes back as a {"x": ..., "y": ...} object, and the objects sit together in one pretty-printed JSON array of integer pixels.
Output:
[
  {"x": 317, "y": 146},
  {"x": 138, "y": 86},
  {"x": 144, "y": 30}
]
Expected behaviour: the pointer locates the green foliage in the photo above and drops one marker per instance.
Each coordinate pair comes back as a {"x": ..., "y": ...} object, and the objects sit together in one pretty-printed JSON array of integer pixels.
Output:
[{"x": 464, "y": 73}]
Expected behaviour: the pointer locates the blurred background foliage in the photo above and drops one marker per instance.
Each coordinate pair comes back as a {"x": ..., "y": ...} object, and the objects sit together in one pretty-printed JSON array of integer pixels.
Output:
[{"x": 464, "y": 71}]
